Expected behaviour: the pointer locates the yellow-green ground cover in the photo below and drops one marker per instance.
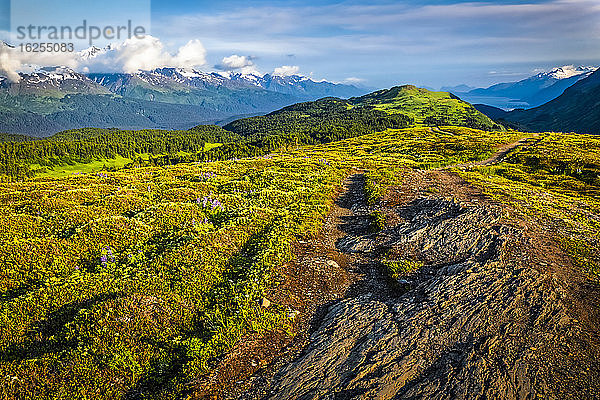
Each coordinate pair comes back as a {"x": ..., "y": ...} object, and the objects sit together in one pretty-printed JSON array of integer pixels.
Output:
[
  {"x": 133, "y": 282},
  {"x": 555, "y": 183}
]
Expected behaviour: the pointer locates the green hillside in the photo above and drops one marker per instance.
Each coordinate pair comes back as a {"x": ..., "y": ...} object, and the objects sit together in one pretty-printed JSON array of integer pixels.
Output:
[
  {"x": 89, "y": 149},
  {"x": 135, "y": 281},
  {"x": 42, "y": 116},
  {"x": 130, "y": 283},
  {"x": 331, "y": 119},
  {"x": 426, "y": 107},
  {"x": 319, "y": 121},
  {"x": 315, "y": 122}
]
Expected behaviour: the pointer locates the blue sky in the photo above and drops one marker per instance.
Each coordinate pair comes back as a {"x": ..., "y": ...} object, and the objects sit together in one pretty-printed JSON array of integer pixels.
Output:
[{"x": 383, "y": 43}]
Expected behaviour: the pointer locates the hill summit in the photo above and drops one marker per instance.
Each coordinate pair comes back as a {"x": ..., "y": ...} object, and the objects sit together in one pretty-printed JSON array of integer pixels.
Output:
[{"x": 426, "y": 107}]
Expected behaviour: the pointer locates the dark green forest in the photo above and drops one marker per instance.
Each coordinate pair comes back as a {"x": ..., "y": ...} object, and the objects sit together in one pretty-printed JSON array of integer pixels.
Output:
[{"x": 321, "y": 121}]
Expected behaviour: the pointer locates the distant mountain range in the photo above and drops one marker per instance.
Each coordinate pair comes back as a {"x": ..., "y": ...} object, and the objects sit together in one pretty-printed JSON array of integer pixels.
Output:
[
  {"x": 57, "y": 98},
  {"x": 576, "y": 110},
  {"x": 527, "y": 93},
  {"x": 457, "y": 89}
]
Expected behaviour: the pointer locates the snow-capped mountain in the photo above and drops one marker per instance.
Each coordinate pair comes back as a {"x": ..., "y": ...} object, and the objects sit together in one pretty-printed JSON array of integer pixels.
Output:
[
  {"x": 59, "y": 73},
  {"x": 53, "y": 82},
  {"x": 568, "y": 71},
  {"x": 297, "y": 85},
  {"x": 92, "y": 52},
  {"x": 300, "y": 87},
  {"x": 576, "y": 110},
  {"x": 531, "y": 92},
  {"x": 57, "y": 98},
  {"x": 165, "y": 82},
  {"x": 192, "y": 86}
]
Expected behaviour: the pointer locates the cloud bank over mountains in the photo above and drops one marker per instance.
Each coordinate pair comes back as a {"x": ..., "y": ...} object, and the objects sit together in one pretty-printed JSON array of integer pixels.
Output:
[
  {"x": 130, "y": 56},
  {"x": 144, "y": 54}
]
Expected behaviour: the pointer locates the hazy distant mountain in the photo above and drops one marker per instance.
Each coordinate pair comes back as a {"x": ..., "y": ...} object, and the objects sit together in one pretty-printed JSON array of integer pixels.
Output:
[
  {"x": 303, "y": 87},
  {"x": 577, "y": 109},
  {"x": 530, "y": 92},
  {"x": 457, "y": 89}
]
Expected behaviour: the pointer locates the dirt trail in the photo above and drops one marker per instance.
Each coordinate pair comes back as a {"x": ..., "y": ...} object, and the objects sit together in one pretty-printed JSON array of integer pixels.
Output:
[
  {"x": 484, "y": 318},
  {"x": 501, "y": 153}
]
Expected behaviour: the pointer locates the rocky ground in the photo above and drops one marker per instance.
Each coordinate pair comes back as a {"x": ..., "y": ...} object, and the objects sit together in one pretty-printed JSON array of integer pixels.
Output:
[{"x": 495, "y": 311}]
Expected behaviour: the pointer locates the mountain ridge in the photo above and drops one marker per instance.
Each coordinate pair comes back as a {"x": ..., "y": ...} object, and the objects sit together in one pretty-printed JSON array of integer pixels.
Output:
[
  {"x": 38, "y": 104},
  {"x": 577, "y": 110},
  {"x": 529, "y": 92}
]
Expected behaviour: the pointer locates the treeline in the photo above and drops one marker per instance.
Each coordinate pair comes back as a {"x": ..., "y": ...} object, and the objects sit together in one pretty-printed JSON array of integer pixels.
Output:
[
  {"x": 470, "y": 120},
  {"x": 12, "y": 137},
  {"x": 321, "y": 121},
  {"x": 87, "y": 144}
]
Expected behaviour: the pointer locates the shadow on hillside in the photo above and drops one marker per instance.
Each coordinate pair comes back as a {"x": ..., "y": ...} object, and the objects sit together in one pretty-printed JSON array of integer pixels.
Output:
[
  {"x": 11, "y": 294},
  {"x": 49, "y": 335},
  {"x": 164, "y": 376}
]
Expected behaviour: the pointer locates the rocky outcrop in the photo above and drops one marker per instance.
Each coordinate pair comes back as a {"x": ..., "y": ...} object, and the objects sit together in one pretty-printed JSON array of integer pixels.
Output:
[{"x": 477, "y": 321}]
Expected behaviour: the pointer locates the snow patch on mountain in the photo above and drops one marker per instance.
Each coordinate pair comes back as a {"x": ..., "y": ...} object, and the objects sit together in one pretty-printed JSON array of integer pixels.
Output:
[
  {"x": 567, "y": 71},
  {"x": 59, "y": 73},
  {"x": 92, "y": 52}
]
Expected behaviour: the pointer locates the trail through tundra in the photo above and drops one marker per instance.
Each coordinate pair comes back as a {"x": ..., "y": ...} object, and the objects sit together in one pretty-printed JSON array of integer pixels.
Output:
[{"x": 495, "y": 311}]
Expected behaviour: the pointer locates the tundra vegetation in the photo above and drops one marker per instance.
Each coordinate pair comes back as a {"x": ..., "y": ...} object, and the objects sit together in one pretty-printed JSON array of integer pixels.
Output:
[{"x": 136, "y": 280}]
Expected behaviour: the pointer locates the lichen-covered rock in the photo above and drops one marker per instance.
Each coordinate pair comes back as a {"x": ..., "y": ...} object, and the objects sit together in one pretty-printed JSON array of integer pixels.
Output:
[{"x": 478, "y": 322}]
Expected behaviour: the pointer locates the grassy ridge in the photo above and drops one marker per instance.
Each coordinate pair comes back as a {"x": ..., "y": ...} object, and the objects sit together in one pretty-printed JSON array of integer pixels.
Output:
[
  {"x": 556, "y": 184},
  {"x": 130, "y": 283},
  {"x": 427, "y": 107}
]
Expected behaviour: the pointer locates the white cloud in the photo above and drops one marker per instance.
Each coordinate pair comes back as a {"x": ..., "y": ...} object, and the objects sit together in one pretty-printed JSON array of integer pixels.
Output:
[
  {"x": 13, "y": 61},
  {"x": 236, "y": 62},
  {"x": 353, "y": 80},
  {"x": 192, "y": 54},
  {"x": 8, "y": 64},
  {"x": 130, "y": 56},
  {"x": 147, "y": 53},
  {"x": 472, "y": 35},
  {"x": 286, "y": 70}
]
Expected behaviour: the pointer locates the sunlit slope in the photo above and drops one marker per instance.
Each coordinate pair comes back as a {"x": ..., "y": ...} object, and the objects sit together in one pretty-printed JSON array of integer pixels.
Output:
[
  {"x": 426, "y": 107},
  {"x": 133, "y": 281}
]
